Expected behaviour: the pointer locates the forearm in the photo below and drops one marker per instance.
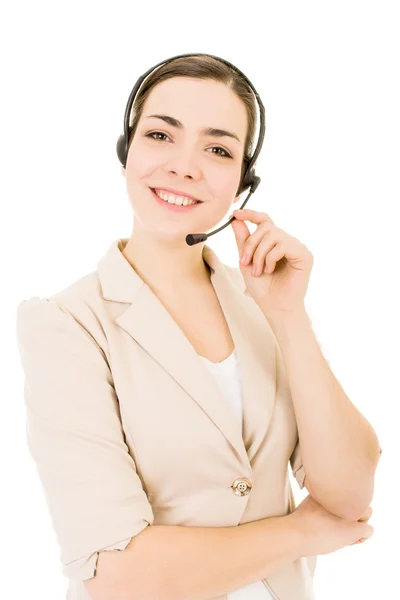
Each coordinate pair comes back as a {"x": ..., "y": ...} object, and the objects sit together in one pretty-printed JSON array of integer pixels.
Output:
[
  {"x": 176, "y": 562},
  {"x": 339, "y": 447}
]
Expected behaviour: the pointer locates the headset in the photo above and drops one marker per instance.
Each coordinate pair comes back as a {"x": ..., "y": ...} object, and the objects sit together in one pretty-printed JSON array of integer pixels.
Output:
[{"x": 249, "y": 178}]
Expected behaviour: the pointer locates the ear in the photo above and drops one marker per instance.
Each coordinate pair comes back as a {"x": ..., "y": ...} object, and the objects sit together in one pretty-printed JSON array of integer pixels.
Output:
[{"x": 123, "y": 171}]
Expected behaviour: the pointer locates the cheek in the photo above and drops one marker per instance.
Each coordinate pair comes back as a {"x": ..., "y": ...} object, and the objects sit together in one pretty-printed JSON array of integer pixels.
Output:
[
  {"x": 220, "y": 178},
  {"x": 142, "y": 162},
  {"x": 224, "y": 185}
]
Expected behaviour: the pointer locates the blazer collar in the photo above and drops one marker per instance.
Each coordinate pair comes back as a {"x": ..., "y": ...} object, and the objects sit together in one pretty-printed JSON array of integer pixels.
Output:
[{"x": 140, "y": 313}]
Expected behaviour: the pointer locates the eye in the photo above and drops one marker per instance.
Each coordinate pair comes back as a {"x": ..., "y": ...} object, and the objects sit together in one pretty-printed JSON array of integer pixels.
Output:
[
  {"x": 149, "y": 135},
  {"x": 154, "y": 133},
  {"x": 226, "y": 155}
]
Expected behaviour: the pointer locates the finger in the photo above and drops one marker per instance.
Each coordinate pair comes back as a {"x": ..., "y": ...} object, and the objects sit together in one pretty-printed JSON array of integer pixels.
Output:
[
  {"x": 254, "y": 216},
  {"x": 276, "y": 254},
  {"x": 242, "y": 233},
  {"x": 360, "y": 541},
  {"x": 262, "y": 254},
  {"x": 257, "y": 245}
]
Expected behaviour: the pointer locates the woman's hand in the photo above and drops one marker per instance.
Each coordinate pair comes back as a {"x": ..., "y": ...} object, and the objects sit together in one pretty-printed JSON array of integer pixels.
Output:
[
  {"x": 364, "y": 519},
  {"x": 283, "y": 263},
  {"x": 324, "y": 532}
]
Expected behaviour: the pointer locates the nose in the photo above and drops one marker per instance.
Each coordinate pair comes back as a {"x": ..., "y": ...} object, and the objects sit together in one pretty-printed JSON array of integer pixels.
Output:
[{"x": 183, "y": 164}]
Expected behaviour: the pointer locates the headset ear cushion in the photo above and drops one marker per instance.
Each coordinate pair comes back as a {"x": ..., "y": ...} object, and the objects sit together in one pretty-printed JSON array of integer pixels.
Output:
[
  {"x": 247, "y": 181},
  {"x": 121, "y": 149},
  {"x": 245, "y": 166}
]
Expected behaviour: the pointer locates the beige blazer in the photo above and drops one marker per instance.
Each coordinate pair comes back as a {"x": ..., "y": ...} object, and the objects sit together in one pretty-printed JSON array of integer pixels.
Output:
[{"x": 128, "y": 429}]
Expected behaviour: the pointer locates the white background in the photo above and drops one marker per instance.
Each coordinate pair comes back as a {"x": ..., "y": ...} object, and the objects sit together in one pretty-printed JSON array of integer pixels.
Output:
[{"x": 328, "y": 75}]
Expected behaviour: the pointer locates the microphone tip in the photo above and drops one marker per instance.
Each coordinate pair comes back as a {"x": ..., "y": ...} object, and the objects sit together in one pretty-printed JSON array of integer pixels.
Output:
[{"x": 195, "y": 238}]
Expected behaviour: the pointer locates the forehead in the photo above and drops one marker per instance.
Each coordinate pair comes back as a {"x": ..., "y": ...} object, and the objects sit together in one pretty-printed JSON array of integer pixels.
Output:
[{"x": 198, "y": 103}]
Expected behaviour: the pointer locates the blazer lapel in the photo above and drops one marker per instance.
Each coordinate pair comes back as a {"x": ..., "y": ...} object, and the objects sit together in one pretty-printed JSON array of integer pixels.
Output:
[{"x": 146, "y": 320}]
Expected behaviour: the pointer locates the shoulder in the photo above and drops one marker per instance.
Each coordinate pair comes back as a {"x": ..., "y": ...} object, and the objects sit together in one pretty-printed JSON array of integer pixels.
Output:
[{"x": 80, "y": 304}]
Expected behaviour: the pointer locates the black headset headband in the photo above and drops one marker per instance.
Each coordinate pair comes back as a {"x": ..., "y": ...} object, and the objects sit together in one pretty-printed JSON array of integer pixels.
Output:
[{"x": 249, "y": 177}]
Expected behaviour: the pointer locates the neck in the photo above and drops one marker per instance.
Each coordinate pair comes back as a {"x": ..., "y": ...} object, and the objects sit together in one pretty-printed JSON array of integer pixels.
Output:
[{"x": 169, "y": 267}]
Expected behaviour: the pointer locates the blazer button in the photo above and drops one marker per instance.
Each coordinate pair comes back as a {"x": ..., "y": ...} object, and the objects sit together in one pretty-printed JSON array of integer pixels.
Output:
[{"x": 242, "y": 486}]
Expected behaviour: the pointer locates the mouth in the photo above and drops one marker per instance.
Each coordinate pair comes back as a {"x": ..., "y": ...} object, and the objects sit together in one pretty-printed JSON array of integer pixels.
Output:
[{"x": 173, "y": 206}]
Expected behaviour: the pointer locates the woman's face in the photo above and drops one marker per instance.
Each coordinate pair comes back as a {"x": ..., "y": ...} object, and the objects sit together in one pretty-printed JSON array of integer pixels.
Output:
[{"x": 185, "y": 158}]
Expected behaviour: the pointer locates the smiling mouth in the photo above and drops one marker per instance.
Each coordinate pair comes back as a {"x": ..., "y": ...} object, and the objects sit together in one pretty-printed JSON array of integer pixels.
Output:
[{"x": 176, "y": 195}]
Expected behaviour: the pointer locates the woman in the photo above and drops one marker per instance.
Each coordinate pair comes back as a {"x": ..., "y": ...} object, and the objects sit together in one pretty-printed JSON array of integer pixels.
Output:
[{"x": 156, "y": 389}]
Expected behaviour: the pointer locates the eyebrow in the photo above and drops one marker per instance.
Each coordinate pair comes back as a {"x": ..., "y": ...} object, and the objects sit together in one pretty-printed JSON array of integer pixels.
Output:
[{"x": 204, "y": 130}]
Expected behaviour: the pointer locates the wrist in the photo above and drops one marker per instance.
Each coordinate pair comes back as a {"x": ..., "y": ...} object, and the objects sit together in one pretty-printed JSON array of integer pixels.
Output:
[
  {"x": 296, "y": 540},
  {"x": 284, "y": 314},
  {"x": 285, "y": 323},
  {"x": 296, "y": 534}
]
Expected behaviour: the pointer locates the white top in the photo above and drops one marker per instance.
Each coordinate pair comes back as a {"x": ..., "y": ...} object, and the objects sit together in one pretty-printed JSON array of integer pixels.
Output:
[{"x": 227, "y": 377}]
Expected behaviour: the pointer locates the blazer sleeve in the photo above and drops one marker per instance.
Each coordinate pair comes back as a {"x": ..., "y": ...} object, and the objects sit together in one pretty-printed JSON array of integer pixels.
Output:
[
  {"x": 296, "y": 463},
  {"x": 74, "y": 432}
]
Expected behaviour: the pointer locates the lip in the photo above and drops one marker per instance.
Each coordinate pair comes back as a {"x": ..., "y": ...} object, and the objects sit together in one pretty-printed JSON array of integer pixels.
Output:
[{"x": 176, "y": 192}]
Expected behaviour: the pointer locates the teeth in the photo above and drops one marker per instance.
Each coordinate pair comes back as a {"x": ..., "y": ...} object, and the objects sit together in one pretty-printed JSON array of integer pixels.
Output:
[{"x": 172, "y": 199}]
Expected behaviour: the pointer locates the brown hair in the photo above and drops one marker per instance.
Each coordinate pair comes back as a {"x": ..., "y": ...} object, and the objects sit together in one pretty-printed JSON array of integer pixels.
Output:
[{"x": 200, "y": 67}]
